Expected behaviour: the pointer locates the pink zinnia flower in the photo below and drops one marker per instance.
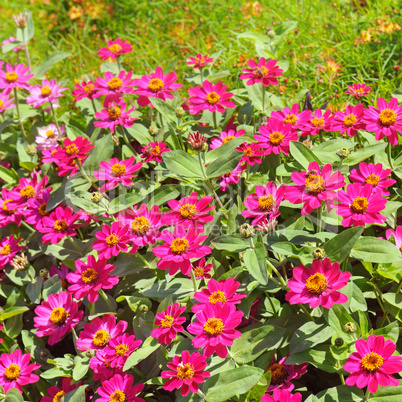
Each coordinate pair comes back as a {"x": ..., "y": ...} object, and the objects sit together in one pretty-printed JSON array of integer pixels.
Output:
[
  {"x": 102, "y": 368},
  {"x": 314, "y": 186},
  {"x": 111, "y": 240},
  {"x": 61, "y": 273},
  {"x": 264, "y": 203},
  {"x": 114, "y": 115},
  {"x": 222, "y": 292},
  {"x": 8, "y": 249},
  {"x": 280, "y": 395},
  {"x": 186, "y": 372},
  {"x": 119, "y": 349},
  {"x": 15, "y": 370},
  {"x": 199, "y": 61},
  {"x": 252, "y": 153},
  {"x": 156, "y": 85},
  {"x": 58, "y": 225},
  {"x": 232, "y": 177},
  {"x": 144, "y": 224},
  {"x": 212, "y": 97},
  {"x": 225, "y": 137},
  {"x": 48, "y": 91},
  {"x": 57, "y": 316},
  {"x": 115, "y": 172},
  {"x": 349, "y": 121},
  {"x": 358, "y": 90},
  {"x": 200, "y": 269},
  {"x": 179, "y": 248},
  {"x": 215, "y": 328},
  {"x": 97, "y": 333},
  {"x": 153, "y": 151},
  {"x": 114, "y": 49},
  {"x": 317, "y": 122},
  {"x": 90, "y": 277},
  {"x": 120, "y": 388},
  {"x": 14, "y": 77},
  {"x": 26, "y": 190},
  {"x": 275, "y": 137},
  {"x": 384, "y": 121},
  {"x": 168, "y": 323},
  {"x": 48, "y": 137},
  {"x": 292, "y": 116},
  {"x": 189, "y": 212},
  {"x": 84, "y": 90},
  {"x": 374, "y": 175},
  {"x": 111, "y": 85},
  {"x": 318, "y": 285},
  {"x": 5, "y": 102},
  {"x": 265, "y": 71},
  {"x": 7, "y": 214},
  {"x": 397, "y": 234},
  {"x": 282, "y": 374},
  {"x": 373, "y": 364},
  {"x": 36, "y": 210},
  {"x": 56, "y": 393}
]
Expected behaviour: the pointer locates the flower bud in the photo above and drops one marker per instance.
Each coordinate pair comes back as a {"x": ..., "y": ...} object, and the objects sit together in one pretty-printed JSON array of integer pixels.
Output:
[
  {"x": 343, "y": 153},
  {"x": 21, "y": 20},
  {"x": 152, "y": 130},
  {"x": 90, "y": 353},
  {"x": 179, "y": 112},
  {"x": 31, "y": 149},
  {"x": 44, "y": 273},
  {"x": 246, "y": 231},
  {"x": 116, "y": 140},
  {"x": 96, "y": 197},
  {"x": 267, "y": 227},
  {"x": 197, "y": 140},
  {"x": 44, "y": 353},
  {"x": 271, "y": 34},
  {"x": 20, "y": 262},
  {"x": 308, "y": 144},
  {"x": 143, "y": 308},
  {"x": 339, "y": 342},
  {"x": 350, "y": 327},
  {"x": 319, "y": 254}
]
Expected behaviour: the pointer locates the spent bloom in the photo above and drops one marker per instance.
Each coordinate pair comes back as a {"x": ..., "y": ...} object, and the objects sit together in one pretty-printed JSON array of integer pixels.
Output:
[
  {"x": 48, "y": 91},
  {"x": 114, "y": 114},
  {"x": 199, "y": 61},
  {"x": 49, "y": 137},
  {"x": 265, "y": 72},
  {"x": 349, "y": 121},
  {"x": 114, "y": 49},
  {"x": 153, "y": 151},
  {"x": 111, "y": 240},
  {"x": 120, "y": 388},
  {"x": 358, "y": 90},
  {"x": 14, "y": 77}
]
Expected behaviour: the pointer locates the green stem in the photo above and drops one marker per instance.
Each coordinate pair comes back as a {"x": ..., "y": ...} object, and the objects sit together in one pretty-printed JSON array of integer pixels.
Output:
[
  {"x": 18, "y": 112},
  {"x": 202, "y": 77},
  {"x": 215, "y": 119},
  {"x": 55, "y": 119},
  {"x": 274, "y": 280},
  {"x": 86, "y": 177},
  {"x": 378, "y": 296},
  {"x": 247, "y": 172},
  {"x": 367, "y": 395},
  {"x": 31, "y": 229},
  {"x": 319, "y": 219},
  {"x": 194, "y": 280},
  {"x": 272, "y": 304},
  {"x": 305, "y": 311},
  {"x": 26, "y": 49},
  {"x": 126, "y": 141},
  {"x": 106, "y": 299},
  {"x": 321, "y": 137},
  {"x": 250, "y": 240},
  {"x": 359, "y": 140},
  {"x": 342, "y": 378},
  {"x": 345, "y": 264},
  {"x": 118, "y": 63},
  {"x": 389, "y": 154},
  {"x": 187, "y": 334},
  {"x": 93, "y": 105},
  {"x": 142, "y": 259},
  {"x": 283, "y": 283},
  {"x": 263, "y": 97},
  {"x": 72, "y": 241},
  {"x": 399, "y": 287},
  {"x": 201, "y": 395}
]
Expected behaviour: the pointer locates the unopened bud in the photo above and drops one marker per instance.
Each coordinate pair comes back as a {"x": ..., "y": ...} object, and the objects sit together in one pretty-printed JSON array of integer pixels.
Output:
[
  {"x": 319, "y": 254},
  {"x": 179, "y": 112},
  {"x": 343, "y": 153},
  {"x": 308, "y": 144},
  {"x": 31, "y": 149},
  {"x": 44, "y": 273},
  {"x": 153, "y": 130},
  {"x": 339, "y": 342},
  {"x": 350, "y": 327},
  {"x": 116, "y": 140},
  {"x": 197, "y": 140},
  {"x": 246, "y": 231},
  {"x": 90, "y": 353},
  {"x": 267, "y": 227},
  {"x": 20, "y": 262},
  {"x": 143, "y": 308},
  {"x": 271, "y": 34},
  {"x": 44, "y": 353},
  {"x": 96, "y": 197},
  {"x": 21, "y": 20}
]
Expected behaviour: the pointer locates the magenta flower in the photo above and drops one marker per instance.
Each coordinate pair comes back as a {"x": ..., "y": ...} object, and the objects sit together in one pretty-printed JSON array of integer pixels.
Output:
[
  {"x": 189, "y": 212},
  {"x": 115, "y": 172},
  {"x": 153, "y": 151},
  {"x": 374, "y": 175},
  {"x": 349, "y": 121},
  {"x": 265, "y": 71},
  {"x": 168, "y": 323},
  {"x": 264, "y": 203},
  {"x": 57, "y": 316},
  {"x": 317, "y": 122},
  {"x": 280, "y": 395},
  {"x": 232, "y": 177},
  {"x": 36, "y": 209},
  {"x": 48, "y": 91},
  {"x": 156, "y": 85},
  {"x": 7, "y": 214},
  {"x": 15, "y": 370},
  {"x": 212, "y": 97},
  {"x": 119, "y": 349},
  {"x": 84, "y": 90},
  {"x": 14, "y": 77},
  {"x": 275, "y": 137},
  {"x": 48, "y": 137},
  {"x": 26, "y": 190},
  {"x": 314, "y": 186},
  {"x": 97, "y": 333},
  {"x": 223, "y": 292},
  {"x": 252, "y": 153},
  {"x": 111, "y": 85},
  {"x": 120, "y": 388},
  {"x": 397, "y": 234},
  {"x": 215, "y": 328},
  {"x": 318, "y": 285},
  {"x": 111, "y": 240},
  {"x": 225, "y": 137},
  {"x": 114, "y": 115},
  {"x": 102, "y": 368},
  {"x": 373, "y": 364},
  {"x": 5, "y": 102},
  {"x": 186, "y": 372},
  {"x": 61, "y": 273},
  {"x": 114, "y": 49},
  {"x": 8, "y": 249},
  {"x": 358, "y": 90},
  {"x": 201, "y": 271},
  {"x": 292, "y": 116},
  {"x": 56, "y": 393},
  {"x": 360, "y": 205},
  {"x": 384, "y": 121},
  {"x": 199, "y": 61},
  {"x": 58, "y": 225},
  {"x": 90, "y": 277}
]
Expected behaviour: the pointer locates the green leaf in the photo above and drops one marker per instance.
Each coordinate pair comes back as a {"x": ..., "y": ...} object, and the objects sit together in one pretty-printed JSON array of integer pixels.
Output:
[
  {"x": 302, "y": 154},
  {"x": 342, "y": 393},
  {"x": 9, "y": 175},
  {"x": 76, "y": 395},
  {"x": 179, "y": 288},
  {"x": 43, "y": 68},
  {"x": 13, "y": 395},
  {"x": 255, "y": 260},
  {"x": 338, "y": 248},
  {"x": 166, "y": 110},
  {"x": 34, "y": 288},
  {"x": 81, "y": 367},
  {"x": 387, "y": 394},
  {"x": 232, "y": 243},
  {"x": 224, "y": 165},
  {"x": 375, "y": 250},
  {"x": 103, "y": 151},
  {"x": 124, "y": 201},
  {"x": 182, "y": 164},
  {"x": 337, "y": 317},
  {"x": 12, "y": 311},
  {"x": 149, "y": 346},
  {"x": 227, "y": 148},
  {"x": 391, "y": 331},
  {"x": 363, "y": 153}
]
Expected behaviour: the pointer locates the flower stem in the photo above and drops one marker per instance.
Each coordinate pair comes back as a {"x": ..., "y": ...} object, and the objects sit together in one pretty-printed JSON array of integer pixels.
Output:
[
  {"x": 201, "y": 395},
  {"x": 55, "y": 119},
  {"x": 377, "y": 292},
  {"x": 104, "y": 296},
  {"x": 305, "y": 311},
  {"x": 321, "y": 137},
  {"x": 26, "y": 49},
  {"x": 342, "y": 378},
  {"x": 263, "y": 97},
  {"x": 142, "y": 259},
  {"x": 194, "y": 280},
  {"x": 72, "y": 241},
  {"x": 359, "y": 140},
  {"x": 389, "y": 154},
  {"x": 118, "y": 63},
  {"x": 187, "y": 334},
  {"x": 283, "y": 283},
  {"x": 31, "y": 229},
  {"x": 319, "y": 219},
  {"x": 126, "y": 141},
  {"x": 201, "y": 75},
  {"x": 367, "y": 394},
  {"x": 215, "y": 119},
  {"x": 18, "y": 112},
  {"x": 250, "y": 240},
  {"x": 93, "y": 105}
]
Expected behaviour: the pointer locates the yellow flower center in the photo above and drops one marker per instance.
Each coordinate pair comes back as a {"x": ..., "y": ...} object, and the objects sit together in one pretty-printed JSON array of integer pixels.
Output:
[
  {"x": 101, "y": 338},
  {"x": 114, "y": 112},
  {"x": 276, "y": 138},
  {"x": 373, "y": 179},
  {"x": 115, "y": 83},
  {"x": 60, "y": 225},
  {"x": 140, "y": 225},
  {"x": 115, "y": 48},
  {"x": 5, "y": 250},
  {"x": 249, "y": 152},
  {"x": 50, "y": 134},
  {"x": 45, "y": 91},
  {"x": 5, "y": 209},
  {"x": 317, "y": 122},
  {"x": 89, "y": 89},
  {"x": 260, "y": 71},
  {"x": 112, "y": 240},
  {"x": 118, "y": 169},
  {"x": 349, "y": 120},
  {"x": 359, "y": 205},
  {"x": 58, "y": 396},
  {"x": 179, "y": 246},
  {"x": 387, "y": 117},
  {"x": 121, "y": 349},
  {"x": 155, "y": 150},
  {"x": 27, "y": 192},
  {"x": 1, "y": 104},
  {"x": 155, "y": 85},
  {"x": 217, "y": 296},
  {"x": 290, "y": 118},
  {"x": 199, "y": 271},
  {"x": 214, "y": 326},
  {"x": 72, "y": 149},
  {"x": 58, "y": 316},
  {"x": 359, "y": 91},
  {"x": 212, "y": 98},
  {"x": 187, "y": 211},
  {"x": 316, "y": 283},
  {"x": 185, "y": 371},
  {"x": 42, "y": 209},
  {"x": 372, "y": 362},
  {"x": 11, "y": 77},
  {"x": 227, "y": 139},
  {"x": 266, "y": 202},
  {"x": 89, "y": 276},
  {"x": 118, "y": 396},
  {"x": 167, "y": 322},
  {"x": 278, "y": 373},
  {"x": 314, "y": 184},
  {"x": 12, "y": 372}
]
